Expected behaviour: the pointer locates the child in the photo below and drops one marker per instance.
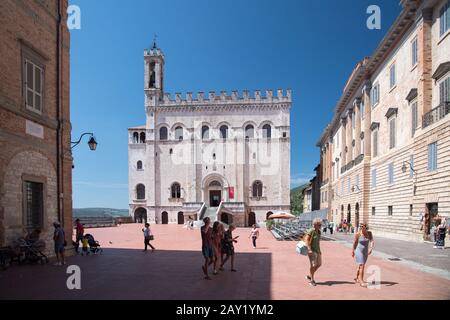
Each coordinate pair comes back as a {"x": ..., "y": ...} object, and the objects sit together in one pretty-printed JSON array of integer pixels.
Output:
[
  {"x": 147, "y": 237},
  {"x": 85, "y": 242}
]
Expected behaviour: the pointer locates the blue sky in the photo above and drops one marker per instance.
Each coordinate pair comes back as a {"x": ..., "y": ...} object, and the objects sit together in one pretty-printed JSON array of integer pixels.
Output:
[{"x": 309, "y": 46}]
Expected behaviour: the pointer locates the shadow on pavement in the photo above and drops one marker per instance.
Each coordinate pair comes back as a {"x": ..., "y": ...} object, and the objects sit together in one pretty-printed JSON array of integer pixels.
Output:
[{"x": 133, "y": 274}]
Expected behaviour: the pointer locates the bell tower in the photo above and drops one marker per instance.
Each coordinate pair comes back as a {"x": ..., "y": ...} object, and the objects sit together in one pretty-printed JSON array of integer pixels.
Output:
[{"x": 153, "y": 75}]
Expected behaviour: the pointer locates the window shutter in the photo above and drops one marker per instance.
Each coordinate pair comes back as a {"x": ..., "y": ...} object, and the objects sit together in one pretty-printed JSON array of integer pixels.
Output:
[
  {"x": 430, "y": 157},
  {"x": 414, "y": 118}
]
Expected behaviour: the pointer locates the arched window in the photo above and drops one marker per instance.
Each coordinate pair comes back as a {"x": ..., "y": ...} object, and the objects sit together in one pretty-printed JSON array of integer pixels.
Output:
[
  {"x": 179, "y": 133},
  {"x": 142, "y": 137},
  {"x": 249, "y": 132},
  {"x": 257, "y": 189},
  {"x": 140, "y": 192},
  {"x": 224, "y": 132},
  {"x": 139, "y": 165},
  {"x": 175, "y": 190},
  {"x": 205, "y": 132},
  {"x": 135, "y": 137},
  {"x": 267, "y": 131},
  {"x": 163, "y": 133}
]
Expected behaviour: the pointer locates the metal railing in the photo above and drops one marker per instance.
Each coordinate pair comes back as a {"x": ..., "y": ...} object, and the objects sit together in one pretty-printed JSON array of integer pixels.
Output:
[{"x": 436, "y": 114}]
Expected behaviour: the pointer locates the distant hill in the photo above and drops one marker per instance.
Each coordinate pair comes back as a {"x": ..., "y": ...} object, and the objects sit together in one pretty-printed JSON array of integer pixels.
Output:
[
  {"x": 297, "y": 199},
  {"x": 99, "y": 212}
]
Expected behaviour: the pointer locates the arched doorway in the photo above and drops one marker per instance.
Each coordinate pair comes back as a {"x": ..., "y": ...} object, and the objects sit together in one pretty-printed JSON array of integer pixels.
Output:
[
  {"x": 349, "y": 213},
  {"x": 164, "y": 218},
  {"x": 180, "y": 218},
  {"x": 226, "y": 218},
  {"x": 251, "y": 219},
  {"x": 357, "y": 216},
  {"x": 215, "y": 193},
  {"x": 268, "y": 214},
  {"x": 140, "y": 215}
]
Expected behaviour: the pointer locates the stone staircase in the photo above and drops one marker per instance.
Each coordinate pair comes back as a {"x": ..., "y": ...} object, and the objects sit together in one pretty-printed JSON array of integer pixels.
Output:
[{"x": 211, "y": 212}]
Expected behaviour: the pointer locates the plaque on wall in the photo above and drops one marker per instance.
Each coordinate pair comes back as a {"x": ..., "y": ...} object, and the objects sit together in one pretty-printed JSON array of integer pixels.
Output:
[{"x": 34, "y": 129}]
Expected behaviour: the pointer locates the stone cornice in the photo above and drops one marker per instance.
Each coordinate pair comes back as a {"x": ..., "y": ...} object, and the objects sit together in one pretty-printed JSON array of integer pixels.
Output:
[
  {"x": 391, "y": 112},
  {"x": 411, "y": 95},
  {"x": 221, "y": 107},
  {"x": 374, "y": 125}
]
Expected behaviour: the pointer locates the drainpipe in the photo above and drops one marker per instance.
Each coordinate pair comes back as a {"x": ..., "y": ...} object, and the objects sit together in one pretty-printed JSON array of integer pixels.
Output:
[{"x": 58, "y": 117}]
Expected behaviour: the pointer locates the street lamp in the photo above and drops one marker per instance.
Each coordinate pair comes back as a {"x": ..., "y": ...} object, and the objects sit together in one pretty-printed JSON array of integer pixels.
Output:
[
  {"x": 92, "y": 143},
  {"x": 414, "y": 172}
]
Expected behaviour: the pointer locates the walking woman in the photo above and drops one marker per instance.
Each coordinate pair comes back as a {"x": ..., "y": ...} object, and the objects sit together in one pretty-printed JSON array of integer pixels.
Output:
[
  {"x": 254, "y": 234},
  {"x": 217, "y": 236},
  {"x": 228, "y": 247},
  {"x": 362, "y": 248},
  {"x": 207, "y": 246}
]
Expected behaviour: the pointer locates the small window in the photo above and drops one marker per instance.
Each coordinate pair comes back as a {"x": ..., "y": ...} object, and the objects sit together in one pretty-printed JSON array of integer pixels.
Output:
[
  {"x": 163, "y": 133},
  {"x": 176, "y": 191},
  {"x": 140, "y": 192},
  {"x": 205, "y": 132},
  {"x": 267, "y": 131},
  {"x": 362, "y": 110},
  {"x": 34, "y": 204},
  {"x": 224, "y": 132},
  {"x": 444, "y": 17},
  {"x": 410, "y": 210},
  {"x": 392, "y": 76},
  {"x": 179, "y": 133},
  {"x": 142, "y": 137},
  {"x": 390, "y": 210},
  {"x": 414, "y": 52},
  {"x": 432, "y": 156},
  {"x": 257, "y": 189},
  {"x": 249, "y": 132},
  {"x": 391, "y": 173},
  {"x": 284, "y": 134},
  {"x": 139, "y": 165},
  {"x": 373, "y": 211},
  {"x": 135, "y": 137}
]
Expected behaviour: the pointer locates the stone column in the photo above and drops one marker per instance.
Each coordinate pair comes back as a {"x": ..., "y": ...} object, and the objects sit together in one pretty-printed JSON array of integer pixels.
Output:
[
  {"x": 357, "y": 127},
  {"x": 424, "y": 89}
]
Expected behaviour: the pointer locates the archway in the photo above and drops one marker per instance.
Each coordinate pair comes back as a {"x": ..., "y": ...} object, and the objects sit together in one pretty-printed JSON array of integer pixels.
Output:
[
  {"x": 251, "y": 219},
  {"x": 349, "y": 213},
  {"x": 214, "y": 193},
  {"x": 164, "y": 218},
  {"x": 140, "y": 215},
  {"x": 180, "y": 218},
  {"x": 357, "y": 216}
]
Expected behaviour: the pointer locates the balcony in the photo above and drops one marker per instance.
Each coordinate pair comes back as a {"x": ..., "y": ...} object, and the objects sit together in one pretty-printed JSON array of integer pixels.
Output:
[
  {"x": 359, "y": 159},
  {"x": 436, "y": 114}
]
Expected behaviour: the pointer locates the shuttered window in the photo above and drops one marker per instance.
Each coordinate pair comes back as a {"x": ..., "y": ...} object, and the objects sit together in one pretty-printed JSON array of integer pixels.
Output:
[
  {"x": 432, "y": 156},
  {"x": 374, "y": 178},
  {"x": 33, "y": 86},
  {"x": 391, "y": 173},
  {"x": 444, "y": 90},
  {"x": 444, "y": 18},
  {"x": 392, "y": 133},
  {"x": 411, "y": 168},
  {"x": 392, "y": 76},
  {"x": 413, "y": 118},
  {"x": 375, "y": 143},
  {"x": 414, "y": 52}
]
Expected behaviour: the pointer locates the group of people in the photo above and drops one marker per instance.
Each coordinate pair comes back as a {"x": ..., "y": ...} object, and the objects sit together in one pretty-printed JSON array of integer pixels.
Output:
[
  {"x": 362, "y": 248},
  {"x": 217, "y": 246},
  {"x": 439, "y": 232}
]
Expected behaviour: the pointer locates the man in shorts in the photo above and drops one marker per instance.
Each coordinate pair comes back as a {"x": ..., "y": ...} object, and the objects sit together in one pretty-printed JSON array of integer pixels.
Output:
[
  {"x": 312, "y": 240},
  {"x": 59, "y": 239}
]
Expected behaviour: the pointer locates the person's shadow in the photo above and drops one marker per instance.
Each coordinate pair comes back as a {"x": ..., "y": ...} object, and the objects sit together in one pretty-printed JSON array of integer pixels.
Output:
[{"x": 333, "y": 283}]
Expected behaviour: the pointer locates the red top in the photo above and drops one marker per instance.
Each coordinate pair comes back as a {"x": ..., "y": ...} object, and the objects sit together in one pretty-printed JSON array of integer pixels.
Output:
[{"x": 80, "y": 228}]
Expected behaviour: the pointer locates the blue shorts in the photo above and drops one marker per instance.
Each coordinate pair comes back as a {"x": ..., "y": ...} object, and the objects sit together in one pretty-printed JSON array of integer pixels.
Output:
[
  {"x": 59, "y": 248},
  {"x": 207, "y": 252}
]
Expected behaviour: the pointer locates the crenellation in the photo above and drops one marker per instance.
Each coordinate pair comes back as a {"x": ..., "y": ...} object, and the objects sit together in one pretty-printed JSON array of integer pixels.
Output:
[{"x": 224, "y": 97}]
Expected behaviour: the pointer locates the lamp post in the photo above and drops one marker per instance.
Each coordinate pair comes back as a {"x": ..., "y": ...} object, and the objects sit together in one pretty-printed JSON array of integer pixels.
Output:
[
  {"x": 92, "y": 143},
  {"x": 414, "y": 173}
]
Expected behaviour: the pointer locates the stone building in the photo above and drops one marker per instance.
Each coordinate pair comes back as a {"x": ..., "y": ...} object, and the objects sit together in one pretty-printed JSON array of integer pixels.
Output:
[
  {"x": 223, "y": 156},
  {"x": 35, "y": 156},
  {"x": 386, "y": 153}
]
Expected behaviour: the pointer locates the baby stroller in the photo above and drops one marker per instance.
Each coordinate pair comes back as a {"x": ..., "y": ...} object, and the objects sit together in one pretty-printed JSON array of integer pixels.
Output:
[
  {"x": 30, "y": 251},
  {"x": 94, "y": 245}
]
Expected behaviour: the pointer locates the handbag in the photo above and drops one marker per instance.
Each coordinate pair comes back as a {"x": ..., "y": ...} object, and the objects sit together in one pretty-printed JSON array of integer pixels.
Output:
[
  {"x": 152, "y": 237},
  {"x": 301, "y": 248}
]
